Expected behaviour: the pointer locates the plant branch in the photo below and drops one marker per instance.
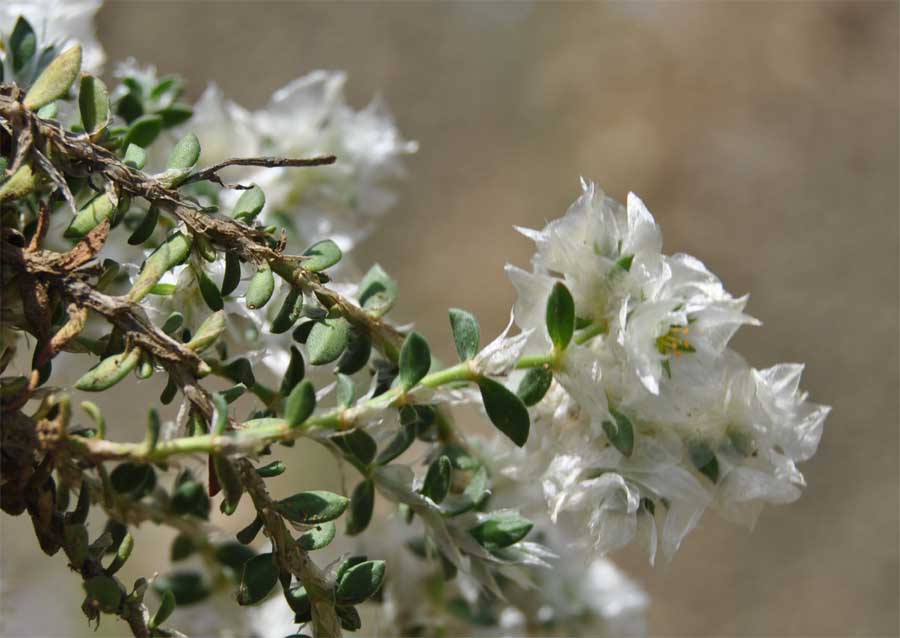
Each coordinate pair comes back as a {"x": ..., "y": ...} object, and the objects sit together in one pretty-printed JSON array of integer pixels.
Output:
[
  {"x": 228, "y": 234},
  {"x": 291, "y": 557},
  {"x": 211, "y": 173}
]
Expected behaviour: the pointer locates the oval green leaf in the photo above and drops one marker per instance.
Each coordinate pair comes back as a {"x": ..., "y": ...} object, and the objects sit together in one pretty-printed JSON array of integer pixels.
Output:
[
  {"x": 311, "y": 508},
  {"x": 505, "y": 410},
  {"x": 327, "y": 340}
]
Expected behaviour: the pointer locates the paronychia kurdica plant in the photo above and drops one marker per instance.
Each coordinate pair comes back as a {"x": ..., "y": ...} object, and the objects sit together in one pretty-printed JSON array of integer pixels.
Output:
[{"x": 615, "y": 412}]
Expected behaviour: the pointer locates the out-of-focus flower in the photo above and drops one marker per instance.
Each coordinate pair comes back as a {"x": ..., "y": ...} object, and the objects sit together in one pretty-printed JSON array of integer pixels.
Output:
[
  {"x": 565, "y": 599},
  {"x": 59, "y": 23},
  {"x": 309, "y": 117}
]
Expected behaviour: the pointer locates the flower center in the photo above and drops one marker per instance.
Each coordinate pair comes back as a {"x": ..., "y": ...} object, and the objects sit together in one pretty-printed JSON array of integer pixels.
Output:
[{"x": 674, "y": 341}]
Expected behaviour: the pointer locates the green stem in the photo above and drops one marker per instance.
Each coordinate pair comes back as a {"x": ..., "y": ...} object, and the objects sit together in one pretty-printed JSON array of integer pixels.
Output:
[
  {"x": 591, "y": 331},
  {"x": 260, "y": 432},
  {"x": 536, "y": 361}
]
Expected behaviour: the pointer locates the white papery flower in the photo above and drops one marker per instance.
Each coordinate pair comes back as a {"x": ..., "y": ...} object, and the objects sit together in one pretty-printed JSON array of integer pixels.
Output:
[
  {"x": 500, "y": 356},
  {"x": 566, "y": 597},
  {"x": 774, "y": 427},
  {"x": 223, "y": 127},
  {"x": 651, "y": 350},
  {"x": 60, "y": 23},
  {"x": 307, "y": 118}
]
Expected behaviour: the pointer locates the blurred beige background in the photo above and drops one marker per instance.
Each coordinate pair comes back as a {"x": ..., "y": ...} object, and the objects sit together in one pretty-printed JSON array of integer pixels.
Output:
[{"x": 763, "y": 136}]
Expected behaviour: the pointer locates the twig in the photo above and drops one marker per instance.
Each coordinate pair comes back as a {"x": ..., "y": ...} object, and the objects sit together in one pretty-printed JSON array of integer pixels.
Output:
[
  {"x": 226, "y": 233},
  {"x": 211, "y": 173},
  {"x": 321, "y": 592}
]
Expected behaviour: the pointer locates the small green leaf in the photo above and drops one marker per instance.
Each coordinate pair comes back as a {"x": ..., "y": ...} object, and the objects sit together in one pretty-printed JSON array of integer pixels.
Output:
[
  {"x": 187, "y": 587},
  {"x": 230, "y": 482},
  {"x": 22, "y": 182},
  {"x": 246, "y": 535},
  {"x": 75, "y": 544},
  {"x": 123, "y": 552},
  {"x": 301, "y": 332},
  {"x": 625, "y": 262},
  {"x": 415, "y": 360},
  {"x": 49, "y": 111},
  {"x": 55, "y": 80},
  {"x": 472, "y": 496},
  {"x": 318, "y": 537},
  {"x": 143, "y": 131},
  {"x": 208, "y": 332},
  {"x": 190, "y": 498},
  {"x": 175, "y": 114},
  {"x": 182, "y": 547},
  {"x": 534, "y": 385},
  {"x": 234, "y": 555},
  {"x": 260, "y": 289},
  {"x": 466, "y": 333},
  {"x": 275, "y": 468},
  {"x": 362, "y": 504},
  {"x": 294, "y": 374},
  {"x": 505, "y": 410},
  {"x": 298, "y": 600},
  {"x": 163, "y": 290},
  {"x": 249, "y": 204},
  {"x": 289, "y": 312},
  {"x": 234, "y": 393},
  {"x": 620, "y": 433},
  {"x": 145, "y": 229},
  {"x": 22, "y": 44},
  {"x": 560, "y": 316},
  {"x": 437, "y": 479},
  {"x": 166, "y": 607},
  {"x": 360, "y": 582},
  {"x": 321, "y": 255},
  {"x": 185, "y": 154},
  {"x": 327, "y": 340},
  {"x": 311, "y": 508},
  {"x": 134, "y": 479},
  {"x": 378, "y": 292},
  {"x": 168, "y": 393},
  {"x": 171, "y": 253},
  {"x": 153, "y": 427},
  {"x": 105, "y": 591},
  {"x": 232, "y": 277},
  {"x": 357, "y": 353},
  {"x": 110, "y": 371},
  {"x": 357, "y": 445},
  {"x": 93, "y": 102},
  {"x": 208, "y": 290},
  {"x": 240, "y": 371},
  {"x": 82, "y": 507},
  {"x": 347, "y": 565},
  {"x": 349, "y": 617},
  {"x": 300, "y": 403},
  {"x": 704, "y": 459},
  {"x": 135, "y": 156},
  {"x": 501, "y": 529},
  {"x": 90, "y": 216}
]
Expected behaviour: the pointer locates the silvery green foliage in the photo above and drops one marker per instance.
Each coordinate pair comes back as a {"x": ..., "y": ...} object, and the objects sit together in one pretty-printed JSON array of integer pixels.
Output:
[{"x": 620, "y": 413}]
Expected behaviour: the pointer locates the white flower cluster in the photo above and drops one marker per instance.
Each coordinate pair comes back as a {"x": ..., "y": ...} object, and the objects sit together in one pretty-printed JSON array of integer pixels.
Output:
[
  {"x": 572, "y": 598},
  {"x": 306, "y": 118},
  {"x": 650, "y": 410}
]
